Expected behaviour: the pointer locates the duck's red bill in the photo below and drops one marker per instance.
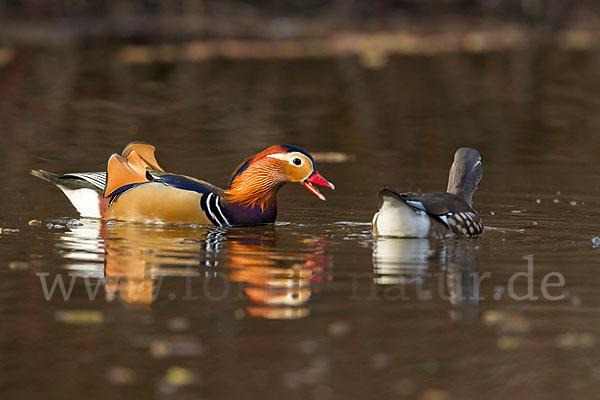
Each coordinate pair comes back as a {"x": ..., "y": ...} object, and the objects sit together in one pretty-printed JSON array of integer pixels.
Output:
[{"x": 316, "y": 178}]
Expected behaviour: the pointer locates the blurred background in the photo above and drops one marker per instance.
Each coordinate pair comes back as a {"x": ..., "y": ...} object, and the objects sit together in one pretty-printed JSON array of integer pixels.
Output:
[
  {"x": 382, "y": 92},
  {"x": 44, "y": 22}
]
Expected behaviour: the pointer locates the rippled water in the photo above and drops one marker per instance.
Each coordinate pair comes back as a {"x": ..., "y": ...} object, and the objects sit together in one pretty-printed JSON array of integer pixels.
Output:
[{"x": 312, "y": 307}]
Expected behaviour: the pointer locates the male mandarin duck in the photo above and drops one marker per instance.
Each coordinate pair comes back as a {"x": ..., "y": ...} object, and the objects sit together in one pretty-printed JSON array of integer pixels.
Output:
[
  {"x": 135, "y": 188},
  {"x": 434, "y": 215}
]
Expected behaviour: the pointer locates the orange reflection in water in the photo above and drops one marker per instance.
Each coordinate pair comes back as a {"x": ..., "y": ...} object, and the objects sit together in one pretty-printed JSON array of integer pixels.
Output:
[{"x": 277, "y": 281}]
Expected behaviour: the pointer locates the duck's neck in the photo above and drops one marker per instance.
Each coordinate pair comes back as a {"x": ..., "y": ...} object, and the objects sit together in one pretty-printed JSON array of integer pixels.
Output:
[
  {"x": 256, "y": 187},
  {"x": 460, "y": 185}
]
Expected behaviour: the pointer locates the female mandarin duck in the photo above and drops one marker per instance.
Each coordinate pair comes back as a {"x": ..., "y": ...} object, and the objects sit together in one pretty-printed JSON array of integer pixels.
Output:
[
  {"x": 434, "y": 215},
  {"x": 135, "y": 188}
]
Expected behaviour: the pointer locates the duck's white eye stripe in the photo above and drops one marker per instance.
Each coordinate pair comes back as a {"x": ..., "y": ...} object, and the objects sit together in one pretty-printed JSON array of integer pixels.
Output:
[
  {"x": 286, "y": 156},
  {"x": 289, "y": 157},
  {"x": 279, "y": 156}
]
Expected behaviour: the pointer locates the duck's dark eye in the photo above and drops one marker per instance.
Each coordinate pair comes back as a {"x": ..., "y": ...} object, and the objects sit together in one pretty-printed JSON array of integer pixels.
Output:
[{"x": 297, "y": 161}]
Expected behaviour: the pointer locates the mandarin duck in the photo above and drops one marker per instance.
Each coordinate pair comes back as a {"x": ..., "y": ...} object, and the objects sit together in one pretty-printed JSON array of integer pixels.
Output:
[
  {"x": 434, "y": 215},
  {"x": 135, "y": 188}
]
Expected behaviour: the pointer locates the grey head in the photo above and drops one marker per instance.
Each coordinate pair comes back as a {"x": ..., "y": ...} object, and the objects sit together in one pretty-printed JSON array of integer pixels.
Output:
[{"x": 465, "y": 173}]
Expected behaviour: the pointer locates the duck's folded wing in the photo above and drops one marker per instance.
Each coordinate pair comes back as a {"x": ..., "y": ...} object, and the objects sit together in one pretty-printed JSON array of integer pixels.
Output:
[
  {"x": 168, "y": 198},
  {"x": 447, "y": 208},
  {"x": 183, "y": 182},
  {"x": 211, "y": 200}
]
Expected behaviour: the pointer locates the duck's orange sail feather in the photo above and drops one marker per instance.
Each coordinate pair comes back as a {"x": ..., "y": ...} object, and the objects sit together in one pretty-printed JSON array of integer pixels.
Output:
[
  {"x": 145, "y": 151},
  {"x": 123, "y": 171}
]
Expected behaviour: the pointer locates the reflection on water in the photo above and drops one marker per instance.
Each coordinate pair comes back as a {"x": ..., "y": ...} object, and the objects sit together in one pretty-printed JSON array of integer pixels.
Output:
[
  {"x": 279, "y": 284},
  {"x": 532, "y": 114},
  {"x": 447, "y": 269},
  {"x": 131, "y": 260}
]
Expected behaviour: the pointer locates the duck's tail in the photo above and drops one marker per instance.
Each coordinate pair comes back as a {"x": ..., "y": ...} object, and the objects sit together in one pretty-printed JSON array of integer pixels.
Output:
[
  {"x": 83, "y": 189},
  {"x": 86, "y": 190}
]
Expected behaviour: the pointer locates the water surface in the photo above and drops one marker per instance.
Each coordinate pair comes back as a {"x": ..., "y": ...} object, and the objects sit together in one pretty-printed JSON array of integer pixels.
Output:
[{"x": 312, "y": 307}]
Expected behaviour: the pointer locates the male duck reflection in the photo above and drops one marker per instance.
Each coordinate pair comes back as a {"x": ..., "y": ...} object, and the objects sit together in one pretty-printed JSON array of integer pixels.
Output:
[
  {"x": 434, "y": 215},
  {"x": 135, "y": 188}
]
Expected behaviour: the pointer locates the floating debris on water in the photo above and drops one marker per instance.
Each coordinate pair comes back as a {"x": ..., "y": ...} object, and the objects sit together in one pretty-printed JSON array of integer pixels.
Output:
[
  {"x": 54, "y": 226},
  {"x": 538, "y": 201},
  {"x": 491, "y": 317},
  {"x": 558, "y": 193},
  {"x": 239, "y": 314},
  {"x": 339, "y": 328},
  {"x": 508, "y": 342},
  {"x": 492, "y": 213},
  {"x": 575, "y": 301},
  {"x": 333, "y": 157},
  {"x": 79, "y": 317},
  {"x": 596, "y": 241},
  {"x": 507, "y": 322},
  {"x": 8, "y": 230},
  {"x": 34, "y": 222},
  {"x": 380, "y": 361},
  {"x": 160, "y": 349},
  {"x": 178, "y": 376},
  {"x": 177, "y": 347},
  {"x": 556, "y": 201},
  {"x": 178, "y": 324},
  {"x": 434, "y": 394},
  {"x": 6, "y": 55},
  {"x": 119, "y": 375},
  {"x": 18, "y": 265},
  {"x": 111, "y": 223},
  {"x": 308, "y": 346},
  {"x": 573, "y": 203},
  {"x": 72, "y": 223},
  {"x": 571, "y": 340}
]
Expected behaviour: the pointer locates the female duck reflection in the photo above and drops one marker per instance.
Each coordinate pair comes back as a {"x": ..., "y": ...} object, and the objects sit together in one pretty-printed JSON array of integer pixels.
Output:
[
  {"x": 137, "y": 258},
  {"x": 405, "y": 268}
]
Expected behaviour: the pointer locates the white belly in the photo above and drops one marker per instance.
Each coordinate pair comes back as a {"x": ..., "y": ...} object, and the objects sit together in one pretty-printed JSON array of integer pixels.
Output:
[
  {"x": 396, "y": 218},
  {"x": 86, "y": 201}
]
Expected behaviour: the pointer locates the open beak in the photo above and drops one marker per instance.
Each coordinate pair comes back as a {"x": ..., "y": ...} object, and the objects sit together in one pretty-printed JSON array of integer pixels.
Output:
[{"x": 316, "y": 178}]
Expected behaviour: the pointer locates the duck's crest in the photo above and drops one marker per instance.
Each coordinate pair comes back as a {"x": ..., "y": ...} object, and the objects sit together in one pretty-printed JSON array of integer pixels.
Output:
[
  {"x": 280, "y": 148},
  {"x": 238, "y": 171}
]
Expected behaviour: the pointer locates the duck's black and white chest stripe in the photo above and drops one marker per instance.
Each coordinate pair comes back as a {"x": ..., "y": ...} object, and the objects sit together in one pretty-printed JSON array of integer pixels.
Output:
[{"x": 211, "y": 205}]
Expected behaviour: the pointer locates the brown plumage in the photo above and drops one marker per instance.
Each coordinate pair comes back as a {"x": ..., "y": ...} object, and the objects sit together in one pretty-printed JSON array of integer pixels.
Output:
[{"x": 438, "y": 214}]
